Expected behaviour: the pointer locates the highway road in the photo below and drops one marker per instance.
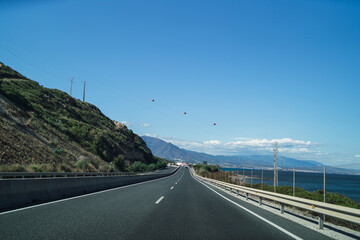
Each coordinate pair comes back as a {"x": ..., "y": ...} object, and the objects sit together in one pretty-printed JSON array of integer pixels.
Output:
[{"x": 175, "y": 207}]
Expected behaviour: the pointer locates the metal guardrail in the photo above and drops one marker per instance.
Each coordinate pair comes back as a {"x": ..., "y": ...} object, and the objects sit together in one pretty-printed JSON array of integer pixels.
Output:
[
  {"x": 27, "y": 175},
  {"x": 341, "y": 212},
  {"x": 6, "y": 175}
]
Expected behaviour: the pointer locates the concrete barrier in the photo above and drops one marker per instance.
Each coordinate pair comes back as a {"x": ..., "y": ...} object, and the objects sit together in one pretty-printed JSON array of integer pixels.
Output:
[{"x": 16, "y": 193}]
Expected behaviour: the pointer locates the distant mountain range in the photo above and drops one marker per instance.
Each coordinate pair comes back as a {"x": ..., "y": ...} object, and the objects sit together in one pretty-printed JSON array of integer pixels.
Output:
[{"x": 169, "y": 151}]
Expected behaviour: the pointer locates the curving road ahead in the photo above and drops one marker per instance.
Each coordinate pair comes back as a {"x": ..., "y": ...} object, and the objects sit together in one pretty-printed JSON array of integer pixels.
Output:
[{"x": 175, "y": 207}]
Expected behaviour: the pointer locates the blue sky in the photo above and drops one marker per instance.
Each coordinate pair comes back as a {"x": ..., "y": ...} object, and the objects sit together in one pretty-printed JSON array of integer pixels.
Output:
[{"x": 263, "y": 71}]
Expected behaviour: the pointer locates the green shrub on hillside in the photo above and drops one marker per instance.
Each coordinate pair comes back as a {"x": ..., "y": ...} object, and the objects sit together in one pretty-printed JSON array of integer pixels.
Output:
[
  {"x": 7, "y": 72},
  {"x": 139, "y": 167},
  {"x": 143, "y": 167},
  {"x": 152, "y": 167},
  {"x": 161, "y": 163},
  {"x": 203, "y": 169},
  {"x": 12, "y": 168},
  {"x": 119, "y": 162}
]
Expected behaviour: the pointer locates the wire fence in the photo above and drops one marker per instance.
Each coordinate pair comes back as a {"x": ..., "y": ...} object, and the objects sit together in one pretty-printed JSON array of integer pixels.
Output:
[{"x": 316, "y": 182}]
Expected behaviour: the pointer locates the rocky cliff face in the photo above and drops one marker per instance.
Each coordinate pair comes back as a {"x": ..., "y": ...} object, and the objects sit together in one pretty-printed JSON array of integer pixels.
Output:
[{"x": 45, "y": 129}]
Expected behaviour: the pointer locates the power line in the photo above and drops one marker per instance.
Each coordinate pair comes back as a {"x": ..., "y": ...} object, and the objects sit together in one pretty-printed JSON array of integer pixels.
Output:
[{"x": 24, "y": 59}]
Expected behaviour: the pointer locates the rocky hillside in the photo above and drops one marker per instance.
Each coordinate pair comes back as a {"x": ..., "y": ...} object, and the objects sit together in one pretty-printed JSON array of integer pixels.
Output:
[{"x": 45, "y": 129}]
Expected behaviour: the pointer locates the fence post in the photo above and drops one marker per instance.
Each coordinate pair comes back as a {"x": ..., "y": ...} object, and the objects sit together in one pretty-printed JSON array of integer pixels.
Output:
[
  {"x": 324, "y": 183},
  {"x": 251, "y": 177},
  {"x": 324, "y": 189},
  {"x": 294, "y": 182},
  {"x": 238, "y": 177}
]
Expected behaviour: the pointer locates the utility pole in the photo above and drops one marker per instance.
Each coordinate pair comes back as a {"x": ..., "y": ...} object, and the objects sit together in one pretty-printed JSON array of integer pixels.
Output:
[
  {"x": 276, "y": 153},
  {"x": 71, "y": 82},
  {"x": 84, "y": 91}
]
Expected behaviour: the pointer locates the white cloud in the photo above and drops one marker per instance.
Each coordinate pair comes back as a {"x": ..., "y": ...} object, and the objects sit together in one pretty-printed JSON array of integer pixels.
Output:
[
  {"x": 212, "y": 142},
  {"x": 151, "y": 135},
  {"x": 261, "y": 143},
  {"x": 126, "y": 123},
  {"x": 357, "y": 155},
  {"x": 146, "y": 125},
  {"x": 295, "y": 150},
  {"x": 248, "y": 146}
]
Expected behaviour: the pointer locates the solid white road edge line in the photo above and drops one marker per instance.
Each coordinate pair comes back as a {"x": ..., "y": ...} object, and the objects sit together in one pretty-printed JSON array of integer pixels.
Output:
[
  {"x": 85, "y": 195},
  {"x": 251, "y": 212},
  {"x": 159, "y": 200}
]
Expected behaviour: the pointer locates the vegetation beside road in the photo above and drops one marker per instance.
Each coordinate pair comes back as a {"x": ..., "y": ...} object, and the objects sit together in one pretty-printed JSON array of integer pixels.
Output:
[
  {"x": 142, "y": 167},
  {"x": 332, "y": 198},
  {"x": 202, "y": 169}
]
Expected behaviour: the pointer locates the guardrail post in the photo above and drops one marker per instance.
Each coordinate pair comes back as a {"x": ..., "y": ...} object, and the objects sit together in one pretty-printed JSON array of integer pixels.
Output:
[
  {"x": 321, "y": 221},
  {"x": 282, "y": 208},
  {"x": 237, "y": 192},
  {"x": 247, "y": 196},
  {"x": 260, "y": 200}
]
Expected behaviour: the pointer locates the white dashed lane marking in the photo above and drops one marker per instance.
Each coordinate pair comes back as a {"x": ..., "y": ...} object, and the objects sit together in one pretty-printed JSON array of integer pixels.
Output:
[{"x": 159, "y": 200}]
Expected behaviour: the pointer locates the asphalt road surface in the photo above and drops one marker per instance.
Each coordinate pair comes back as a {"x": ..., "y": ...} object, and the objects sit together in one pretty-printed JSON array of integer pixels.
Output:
[{"x": 175, "y": 207}]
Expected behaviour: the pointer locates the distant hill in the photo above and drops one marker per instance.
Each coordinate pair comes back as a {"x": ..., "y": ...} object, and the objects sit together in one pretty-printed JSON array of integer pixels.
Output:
[
  {"x": 45, "y": 129},
  {"x": 169, "y": 151}
]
